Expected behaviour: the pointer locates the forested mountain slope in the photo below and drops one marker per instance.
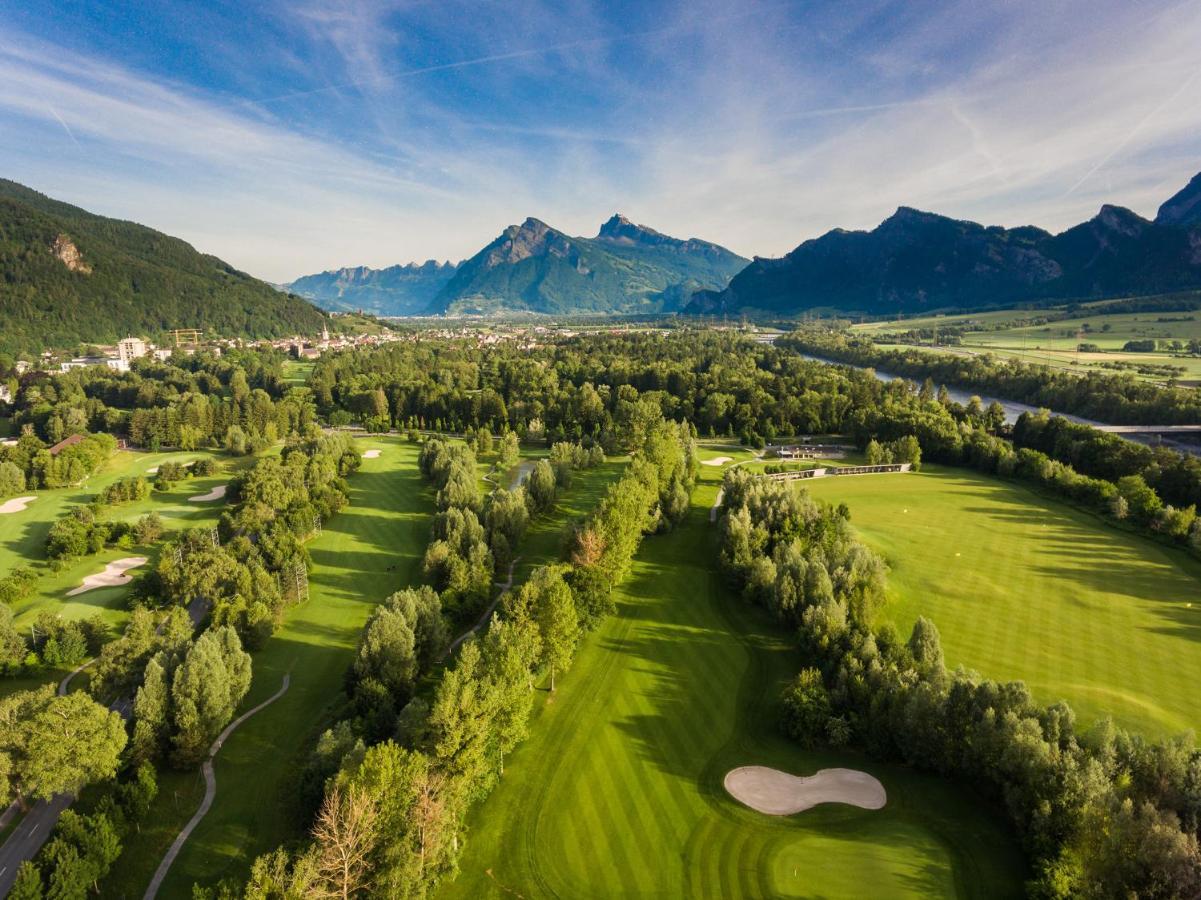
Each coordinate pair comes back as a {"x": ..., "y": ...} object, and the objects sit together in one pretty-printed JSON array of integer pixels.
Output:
[{"x": 68, "y": 276}]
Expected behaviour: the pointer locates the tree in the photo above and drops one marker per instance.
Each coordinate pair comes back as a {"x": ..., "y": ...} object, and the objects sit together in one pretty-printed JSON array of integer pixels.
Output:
[
  {"x": 28, "y": 885},
  {"x": 50, "y": 744},
  {"x": 1141, "y": 499},
  {"x": 205, "y": 691},
  {"x": 510, "y": 651},
  {"x": 509, "y": 451},
  {"x": 460, "y": 723},
  {"x": 12, "y": 479},
  {"x": 540, "y": 487},
  {"x": 806, "y": 707},
  {"x": 926, "y": 647},
  {"x": 554, "y": 612},
  {"x": 876, "y": 453},
  {"x": 345, "y": 834},
  {"x": 388, "y": 651},
  {"x": 151, "y": 708}
]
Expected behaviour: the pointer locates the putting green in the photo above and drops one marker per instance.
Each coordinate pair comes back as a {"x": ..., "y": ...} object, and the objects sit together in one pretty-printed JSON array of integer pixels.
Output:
[
  {"x": 619, "y": 790},
  {"x": 1024, "y": 587}
]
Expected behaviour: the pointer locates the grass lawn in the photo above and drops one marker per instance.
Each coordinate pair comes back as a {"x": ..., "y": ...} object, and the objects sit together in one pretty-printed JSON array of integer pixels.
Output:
[
  {"x": 546, "y": 536},
  {"x": 1024, "y": 587},
  {"x": 23, "y": 539},
  {"x": 366, "y": 552},
  {"x": 619, "y": 791}
]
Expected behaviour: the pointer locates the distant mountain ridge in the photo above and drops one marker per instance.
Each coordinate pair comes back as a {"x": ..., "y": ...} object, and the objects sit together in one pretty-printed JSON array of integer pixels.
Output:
[
  {"x": 68, "y": 276},
  {"x": 626, "y": 268},
  {"x": 402, "y": 290},
  {"x": 1184, "y": 207},
  {"x": 532, "y": 267},
  {"x": 915, "y": 261}
]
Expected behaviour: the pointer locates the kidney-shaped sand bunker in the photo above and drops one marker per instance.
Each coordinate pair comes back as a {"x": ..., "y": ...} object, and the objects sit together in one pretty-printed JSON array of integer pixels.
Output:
[{"x": 777, "y": 793}]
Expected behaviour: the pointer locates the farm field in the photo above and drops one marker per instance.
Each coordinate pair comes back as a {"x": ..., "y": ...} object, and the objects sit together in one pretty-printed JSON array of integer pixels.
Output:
[
  {"x": 619, "y": 789},
  {"x": 1054, "y": 343},
  {"x": 1024, "y": 587}
]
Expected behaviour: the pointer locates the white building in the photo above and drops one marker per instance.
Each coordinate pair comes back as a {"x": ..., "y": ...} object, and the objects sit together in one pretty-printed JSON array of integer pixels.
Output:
[
  {"x": 82, "y": 362},
  {"x": 129, "y": 349},
  {"x": 6, "y": 395}
]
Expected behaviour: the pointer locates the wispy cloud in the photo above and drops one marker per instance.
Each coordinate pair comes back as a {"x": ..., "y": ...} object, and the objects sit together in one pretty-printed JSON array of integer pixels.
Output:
[{"x": 382, "y": 132}]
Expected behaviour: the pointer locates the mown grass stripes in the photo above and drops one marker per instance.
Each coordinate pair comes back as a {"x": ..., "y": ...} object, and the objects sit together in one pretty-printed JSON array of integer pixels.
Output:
[
  {"x": 1024, "y": 587},
  {"x": 618, "y": 791}
]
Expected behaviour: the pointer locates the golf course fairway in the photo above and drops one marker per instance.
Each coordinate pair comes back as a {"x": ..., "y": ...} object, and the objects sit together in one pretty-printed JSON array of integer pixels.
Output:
[{"x": 618, "y": 791}]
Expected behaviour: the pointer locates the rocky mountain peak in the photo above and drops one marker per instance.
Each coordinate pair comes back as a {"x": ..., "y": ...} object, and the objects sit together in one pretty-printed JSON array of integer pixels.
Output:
[
  {"x": 1183, "y": 208},
  {"x": 1121, "y": 220},
  {"x": 532, "y": 237}
]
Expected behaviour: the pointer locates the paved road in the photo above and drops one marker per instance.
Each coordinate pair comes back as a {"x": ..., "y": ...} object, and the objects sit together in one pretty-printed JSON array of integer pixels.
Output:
[
  {"x": 210, "y": 791},
  {"x": 35, "y": 828}
]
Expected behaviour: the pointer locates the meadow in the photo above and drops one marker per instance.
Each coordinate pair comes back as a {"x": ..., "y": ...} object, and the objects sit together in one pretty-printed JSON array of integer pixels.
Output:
[
  {"x": 619, "y": 789},
  {"x": 1024, "y": 587},
  {"x": 1055, "y": 343}
]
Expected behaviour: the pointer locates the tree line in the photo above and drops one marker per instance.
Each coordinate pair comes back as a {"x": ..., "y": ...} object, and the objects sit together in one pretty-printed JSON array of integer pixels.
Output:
[
  {"x": 238, "y": 401},
  {"x": 393, "y": 804},
  {"x": 1118, "y": 399},
  {"x": 1099, "y": 813},
  {"x": 29, "y": 465}
]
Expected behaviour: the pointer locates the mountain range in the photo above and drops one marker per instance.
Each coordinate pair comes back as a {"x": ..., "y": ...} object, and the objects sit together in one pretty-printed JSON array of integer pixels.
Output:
[
  {"x": 68, "y": 276},
  {"x": 916, "y": 261},
  {"x": 532, "y": 267},
  {"x": 395, "y": 291}
]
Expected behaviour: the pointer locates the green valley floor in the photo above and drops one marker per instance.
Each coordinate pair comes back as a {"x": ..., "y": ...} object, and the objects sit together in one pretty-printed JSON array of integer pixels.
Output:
[{"x": 619, "y": 790}]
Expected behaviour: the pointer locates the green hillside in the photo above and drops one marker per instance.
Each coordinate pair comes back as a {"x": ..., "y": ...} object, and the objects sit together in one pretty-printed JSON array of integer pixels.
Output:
[{"x": 68, "y": 276}]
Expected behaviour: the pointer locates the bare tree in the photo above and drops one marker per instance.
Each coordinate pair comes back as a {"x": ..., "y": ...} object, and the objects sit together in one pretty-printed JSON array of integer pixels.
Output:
[{"x": 345, "y": 833}]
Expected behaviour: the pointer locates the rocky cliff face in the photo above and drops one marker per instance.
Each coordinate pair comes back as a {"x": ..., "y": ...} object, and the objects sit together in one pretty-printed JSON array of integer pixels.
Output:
[
  {"x": 68, "y": 254},
  {"x": 625, "y": 268},
  {"x": 532, "y": 238}
]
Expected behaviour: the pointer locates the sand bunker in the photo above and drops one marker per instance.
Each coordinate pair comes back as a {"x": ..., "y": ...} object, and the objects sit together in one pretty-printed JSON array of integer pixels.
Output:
[
  {"x": 215, "y": 494},
  {"x": 717, "y": 461},
  {"x": 371, "y": 454},
  {"x": 112, "y": 576},
  {"x": 777, "y": 793},
  {"x": 16, "y": 504}
]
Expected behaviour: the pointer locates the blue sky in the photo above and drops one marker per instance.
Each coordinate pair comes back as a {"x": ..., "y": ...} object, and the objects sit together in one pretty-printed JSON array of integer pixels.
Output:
[{"x": 289, "y": 138}]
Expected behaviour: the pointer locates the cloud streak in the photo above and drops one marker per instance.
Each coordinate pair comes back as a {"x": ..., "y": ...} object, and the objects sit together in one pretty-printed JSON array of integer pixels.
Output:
[{"x": 381, "y": 133}]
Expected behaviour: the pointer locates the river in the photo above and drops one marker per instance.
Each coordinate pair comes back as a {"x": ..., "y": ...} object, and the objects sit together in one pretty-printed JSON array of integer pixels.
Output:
[{"x": 1013, "y": 409}]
